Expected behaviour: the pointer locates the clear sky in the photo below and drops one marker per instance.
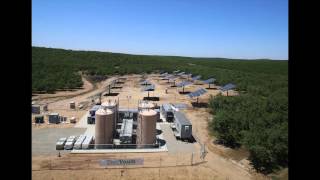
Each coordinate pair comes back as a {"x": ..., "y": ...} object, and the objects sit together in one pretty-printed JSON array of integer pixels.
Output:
[{"x": 198, "y": 28}]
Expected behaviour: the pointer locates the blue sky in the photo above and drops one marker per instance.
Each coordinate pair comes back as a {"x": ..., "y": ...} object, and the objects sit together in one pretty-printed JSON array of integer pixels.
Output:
[{"x": 208, "y": 28}]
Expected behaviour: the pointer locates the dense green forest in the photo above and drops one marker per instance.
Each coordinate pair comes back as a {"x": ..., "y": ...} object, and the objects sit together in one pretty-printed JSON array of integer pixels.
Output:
[{"x": 257, "y": 119}]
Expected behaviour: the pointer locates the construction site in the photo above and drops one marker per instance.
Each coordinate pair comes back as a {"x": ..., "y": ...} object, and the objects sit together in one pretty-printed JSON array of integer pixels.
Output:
[{"x": 150, "y": 126}]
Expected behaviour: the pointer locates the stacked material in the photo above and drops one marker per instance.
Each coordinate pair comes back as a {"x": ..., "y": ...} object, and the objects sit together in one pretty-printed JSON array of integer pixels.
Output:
[
  {"x": 54, "y": 118},
  {"x": 70, "y": 142},
  {"x": 146, "y": 130},
  {"x": 78, "y": 144},
  {"x": 60, "y": 143},
  {"x": 86, "y": 144}
]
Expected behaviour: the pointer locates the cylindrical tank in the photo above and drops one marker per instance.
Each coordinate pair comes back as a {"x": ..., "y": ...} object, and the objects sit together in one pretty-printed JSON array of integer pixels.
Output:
[
  {"x": 72, "y": 105},
  {"x": 113, "y": 106},
  {"x": 104, "y": 127},
  {"x": 146, "y": 130},
  {"x": 146, "y": 105}
]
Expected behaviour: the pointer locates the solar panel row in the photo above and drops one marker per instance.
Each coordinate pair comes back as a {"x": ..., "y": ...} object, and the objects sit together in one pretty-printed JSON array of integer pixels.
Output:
[
  {"x": 228, "y": 87},
  {"x": 208, "y": 81},
  {"x": 149, "y": 88},
  {"x": 196, "y": 77},
  {"x": 197, "y": 93},
  {"x": 184, "y": 83},
  {"x": 144, "y": 82}
]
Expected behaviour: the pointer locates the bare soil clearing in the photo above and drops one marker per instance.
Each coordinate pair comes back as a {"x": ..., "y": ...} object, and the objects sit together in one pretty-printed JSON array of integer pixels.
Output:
[{"x": 220, "y": 162}]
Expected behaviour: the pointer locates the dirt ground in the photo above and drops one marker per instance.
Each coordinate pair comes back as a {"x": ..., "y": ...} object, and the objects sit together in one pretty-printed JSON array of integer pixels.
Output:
[{"x": 220, "y": 162}]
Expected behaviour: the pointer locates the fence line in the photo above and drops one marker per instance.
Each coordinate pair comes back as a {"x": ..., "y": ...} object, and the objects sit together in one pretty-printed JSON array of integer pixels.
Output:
[{"x": 157, "y": 161}]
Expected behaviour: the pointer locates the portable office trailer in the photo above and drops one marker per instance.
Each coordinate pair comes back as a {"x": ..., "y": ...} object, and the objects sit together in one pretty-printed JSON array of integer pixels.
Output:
[
  {"x": 87, "y": 143},
  {"x": 78, "y": 143},
  {"x": 54, "y": 118},
  {"x": 183, "y": 127},
  {"x": 167, "y": 112}
]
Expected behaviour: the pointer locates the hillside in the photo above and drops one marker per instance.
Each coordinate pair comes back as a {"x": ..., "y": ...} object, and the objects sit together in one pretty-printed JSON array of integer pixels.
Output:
[{"x": 257, "y": 119}]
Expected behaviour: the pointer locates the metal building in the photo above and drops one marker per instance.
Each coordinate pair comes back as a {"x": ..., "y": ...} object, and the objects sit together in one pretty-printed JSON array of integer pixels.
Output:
[{"x": 54, "y": 118}]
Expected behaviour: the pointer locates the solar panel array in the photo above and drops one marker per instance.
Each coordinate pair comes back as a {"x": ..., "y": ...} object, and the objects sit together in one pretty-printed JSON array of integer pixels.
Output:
[
  {"x": 196, "y": 77},
  {"x": 163, "y": 74},
  {"x": 168, "y": 76},
  {"x": 149, "y": 88},
  {"x": 184, "y": 83},
  {"x": 197, "y": 93},
  {"x": 228, "y": 87},
  {"x": 209, "y": 81},
  {"x": 145, "y": 82}
]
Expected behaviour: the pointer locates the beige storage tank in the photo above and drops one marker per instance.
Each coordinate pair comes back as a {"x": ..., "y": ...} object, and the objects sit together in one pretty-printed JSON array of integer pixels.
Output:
[
  {"x": 104, "y": 127},
  {"x": 146, "y": 130},
  {"x": 146, "y": 105},
  {"x": 113, "y": 106}
]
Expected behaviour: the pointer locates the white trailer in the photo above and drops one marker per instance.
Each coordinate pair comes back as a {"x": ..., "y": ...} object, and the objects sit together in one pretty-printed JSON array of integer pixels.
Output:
[{"x": 78, "y": 143}]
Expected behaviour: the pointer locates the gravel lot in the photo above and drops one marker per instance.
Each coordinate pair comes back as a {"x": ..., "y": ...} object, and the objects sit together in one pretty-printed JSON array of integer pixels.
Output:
[
  {"x": 173, "y": 145},
  {"x": 44, "y": 140}
]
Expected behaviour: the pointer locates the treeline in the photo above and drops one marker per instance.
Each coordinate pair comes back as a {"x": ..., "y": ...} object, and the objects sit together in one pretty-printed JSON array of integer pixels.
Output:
[{"x": 257, "y": 119}]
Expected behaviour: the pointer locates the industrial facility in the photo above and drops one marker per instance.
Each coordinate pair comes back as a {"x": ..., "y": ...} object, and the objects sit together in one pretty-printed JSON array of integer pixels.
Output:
[{"x": 114, "y": 126}]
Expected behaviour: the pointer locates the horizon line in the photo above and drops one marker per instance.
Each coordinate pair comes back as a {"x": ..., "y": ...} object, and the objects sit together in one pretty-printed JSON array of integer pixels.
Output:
[{"x": 137, "y": 54}]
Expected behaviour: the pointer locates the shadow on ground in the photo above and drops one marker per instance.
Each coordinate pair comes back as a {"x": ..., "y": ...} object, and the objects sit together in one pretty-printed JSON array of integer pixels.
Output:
[
  {"x": 151, "y": 98},
  {"x": 186, "y": 92},
  {"x": 199, "y": 105},
  {"x": 111, "y": 94}
]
